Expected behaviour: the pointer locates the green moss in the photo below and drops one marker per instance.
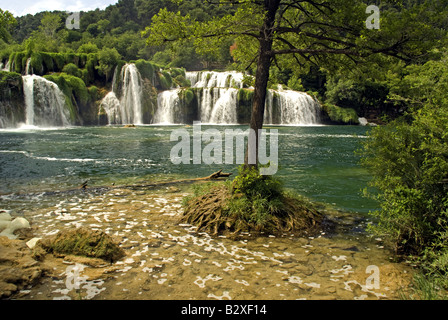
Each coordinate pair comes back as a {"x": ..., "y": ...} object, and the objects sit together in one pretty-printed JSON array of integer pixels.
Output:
[
  {"x": 47, "y": 61},
  {"x": 83, "y": 242},
  {"x": 75, "y": 90},
  {"x": 181, "y": 81},
  {"x": 36, "y": 63},
  {"x": 165, "y": 80},
  {"x": 244, "y": 105},
  {"x": 145, "y": 68}
]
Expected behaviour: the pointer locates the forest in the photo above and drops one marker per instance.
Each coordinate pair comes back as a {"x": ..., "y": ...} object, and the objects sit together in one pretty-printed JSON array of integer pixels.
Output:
[
  {"x": 117, "y": 34},
  {"x": 395, "y": 77}
]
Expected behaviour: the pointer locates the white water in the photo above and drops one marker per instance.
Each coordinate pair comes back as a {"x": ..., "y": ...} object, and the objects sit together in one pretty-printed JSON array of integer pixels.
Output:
[
  {"x": 131, "y": 99},
  {"x": 167, "y": 105},
  {"x": 294, "y": 108},
  {"x": 127, "y": 109},
  {"x": 212, "y": 79},
  {"x": 218, "y": 100},
  {"x": 7, "y": 67},
  {"x": 28, "y": 68},
  {"x": 218, "y": 105},
  {"x": 44, "y": 103},
  {"x": 111, "y": 105}
]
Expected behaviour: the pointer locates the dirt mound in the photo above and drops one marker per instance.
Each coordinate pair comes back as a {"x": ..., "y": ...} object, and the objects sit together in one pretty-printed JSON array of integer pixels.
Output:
[
  {"x": 210, "y": 213},
  {"x": 82, "y": 242}
]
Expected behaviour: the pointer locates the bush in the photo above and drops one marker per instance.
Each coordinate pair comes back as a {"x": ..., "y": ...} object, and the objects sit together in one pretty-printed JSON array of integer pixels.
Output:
[
  {"x": 341, "y": 115},
  {"x": 409, "y": 164},
  {"x": 72, "y": 69}
]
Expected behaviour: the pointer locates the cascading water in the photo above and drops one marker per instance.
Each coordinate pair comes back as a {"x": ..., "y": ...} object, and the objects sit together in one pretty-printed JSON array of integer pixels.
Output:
[
  {"x": 131, "y": 99},
  {"x": 217, "y": 96},
  {"x": 111, "y": 106},
  {"x": 44, "y": 102},
  {"x": 212, "y": 79},
  {"x": 127, "y": 109},
  {"x": 289, "y": 107},
  {"x": 28, "y": 68},
  {"x": 167, "y": 106}
]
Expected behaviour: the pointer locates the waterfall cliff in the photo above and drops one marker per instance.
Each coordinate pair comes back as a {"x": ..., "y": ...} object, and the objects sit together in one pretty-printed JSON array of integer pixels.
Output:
[{"x": 45, "y": 104}]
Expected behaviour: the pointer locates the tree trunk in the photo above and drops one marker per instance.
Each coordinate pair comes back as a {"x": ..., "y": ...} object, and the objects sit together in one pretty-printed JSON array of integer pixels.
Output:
[{"x": 261, "y": 80}]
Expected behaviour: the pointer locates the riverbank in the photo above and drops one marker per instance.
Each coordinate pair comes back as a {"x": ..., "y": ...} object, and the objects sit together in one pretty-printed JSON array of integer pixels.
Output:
[{"x": 171, "y": 261}]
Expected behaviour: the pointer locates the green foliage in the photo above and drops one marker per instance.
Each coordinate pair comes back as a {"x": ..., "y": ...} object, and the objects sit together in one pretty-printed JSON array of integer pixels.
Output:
[
  {"x": 7, "y": 21},
  {"x": 72, "y": 69},
  {"x": 37, "y": 63},
  {"x": 341, "y": 115},
  {"x": 409, "y": 163},
  {"x": 88, "y": 48},
  {"x": 146, "y": 68},
  {"x": 252, "y": 184},
  {"x": 107, "y": 60}
]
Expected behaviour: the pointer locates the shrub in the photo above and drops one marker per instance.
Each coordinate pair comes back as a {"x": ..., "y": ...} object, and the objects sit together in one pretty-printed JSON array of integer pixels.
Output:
[
  {"x": 341, "y": 115},
  {"x": 72, "y": 69},
  {"x": 409, "y": 164}
]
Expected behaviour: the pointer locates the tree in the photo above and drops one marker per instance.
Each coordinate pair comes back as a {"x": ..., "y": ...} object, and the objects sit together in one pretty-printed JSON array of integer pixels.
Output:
[
  {"x": 6, "y": 22},
  {"x": 329, "y": 34},
  {"x": 108, "y": 59},
  {"x": 49, "y": 25}
]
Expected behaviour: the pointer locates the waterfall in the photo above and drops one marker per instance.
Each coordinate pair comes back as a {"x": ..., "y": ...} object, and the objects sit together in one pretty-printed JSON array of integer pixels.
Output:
[
  {"x": 7, "y": 67},
  {"x": 212, "y": 79},
  {"x": 111, "y": 105},
  {"x": 218, "y": 97},
  {"x": 28, "y": 68},
  {"x": 218, "y": 105},
  {"x": 167, "y": 106},
  {"x": 291, "y": 107},
  {"x": 127, "y": 109},
  {"x": 44, "y": 102},
  {"x": 131, "y": 99}
]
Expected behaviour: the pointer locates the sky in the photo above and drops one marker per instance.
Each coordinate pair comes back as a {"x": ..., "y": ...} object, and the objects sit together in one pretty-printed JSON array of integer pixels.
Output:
[{"x": 23, "y": 7}]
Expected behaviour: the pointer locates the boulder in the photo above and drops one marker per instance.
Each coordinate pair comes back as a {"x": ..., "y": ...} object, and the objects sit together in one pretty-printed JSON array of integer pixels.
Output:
[{"x": 82, "y": 242}]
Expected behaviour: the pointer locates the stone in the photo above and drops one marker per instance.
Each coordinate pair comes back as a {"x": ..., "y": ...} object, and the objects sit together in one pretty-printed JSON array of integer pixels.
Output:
[{"x": 83, "y": 242}]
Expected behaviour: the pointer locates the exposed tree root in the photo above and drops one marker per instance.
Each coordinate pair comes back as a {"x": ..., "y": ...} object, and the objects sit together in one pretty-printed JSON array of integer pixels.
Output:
[{"x": 209, "y": 213}]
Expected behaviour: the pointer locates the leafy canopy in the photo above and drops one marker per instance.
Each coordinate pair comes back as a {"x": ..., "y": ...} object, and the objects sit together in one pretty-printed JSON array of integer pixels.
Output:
[
  {"x": 324, "y": 33},
  {"x": 6, "y": 22}
]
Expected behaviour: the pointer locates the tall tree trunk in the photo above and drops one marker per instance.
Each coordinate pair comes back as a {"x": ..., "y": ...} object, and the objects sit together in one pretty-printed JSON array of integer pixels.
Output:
[{"x": 261, "y": 80}]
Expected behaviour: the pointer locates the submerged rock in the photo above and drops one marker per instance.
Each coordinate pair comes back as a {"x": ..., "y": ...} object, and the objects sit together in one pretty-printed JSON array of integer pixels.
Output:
[{"x": 83, "y": 242}]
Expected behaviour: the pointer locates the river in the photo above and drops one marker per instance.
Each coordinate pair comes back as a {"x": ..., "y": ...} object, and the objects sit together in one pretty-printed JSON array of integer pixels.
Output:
[{"x": 42, "y": 169}]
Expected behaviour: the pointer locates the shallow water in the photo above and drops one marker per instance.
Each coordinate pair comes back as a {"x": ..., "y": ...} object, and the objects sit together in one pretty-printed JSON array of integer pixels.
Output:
[
  {"x": 167, "y": 260},
  {"x": 42, "y": 170}
]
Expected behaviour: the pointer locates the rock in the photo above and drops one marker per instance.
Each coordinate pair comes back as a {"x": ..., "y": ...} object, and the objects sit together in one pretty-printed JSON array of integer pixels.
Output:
[
  {"x": 363, "y": 121},
  {"x": 83, "y": 242},
  {"x": 18, "y": 269},
  {"x": 11, "y": 227},
  {"x": 32, "y": 243}
]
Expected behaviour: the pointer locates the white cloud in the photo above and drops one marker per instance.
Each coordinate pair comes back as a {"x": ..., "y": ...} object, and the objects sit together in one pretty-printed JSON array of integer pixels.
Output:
[{"x": 23, "y": 7}]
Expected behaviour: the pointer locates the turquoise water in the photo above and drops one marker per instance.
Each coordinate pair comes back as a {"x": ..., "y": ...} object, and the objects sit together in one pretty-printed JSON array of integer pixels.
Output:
[{"x": 318, "y": 162}]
